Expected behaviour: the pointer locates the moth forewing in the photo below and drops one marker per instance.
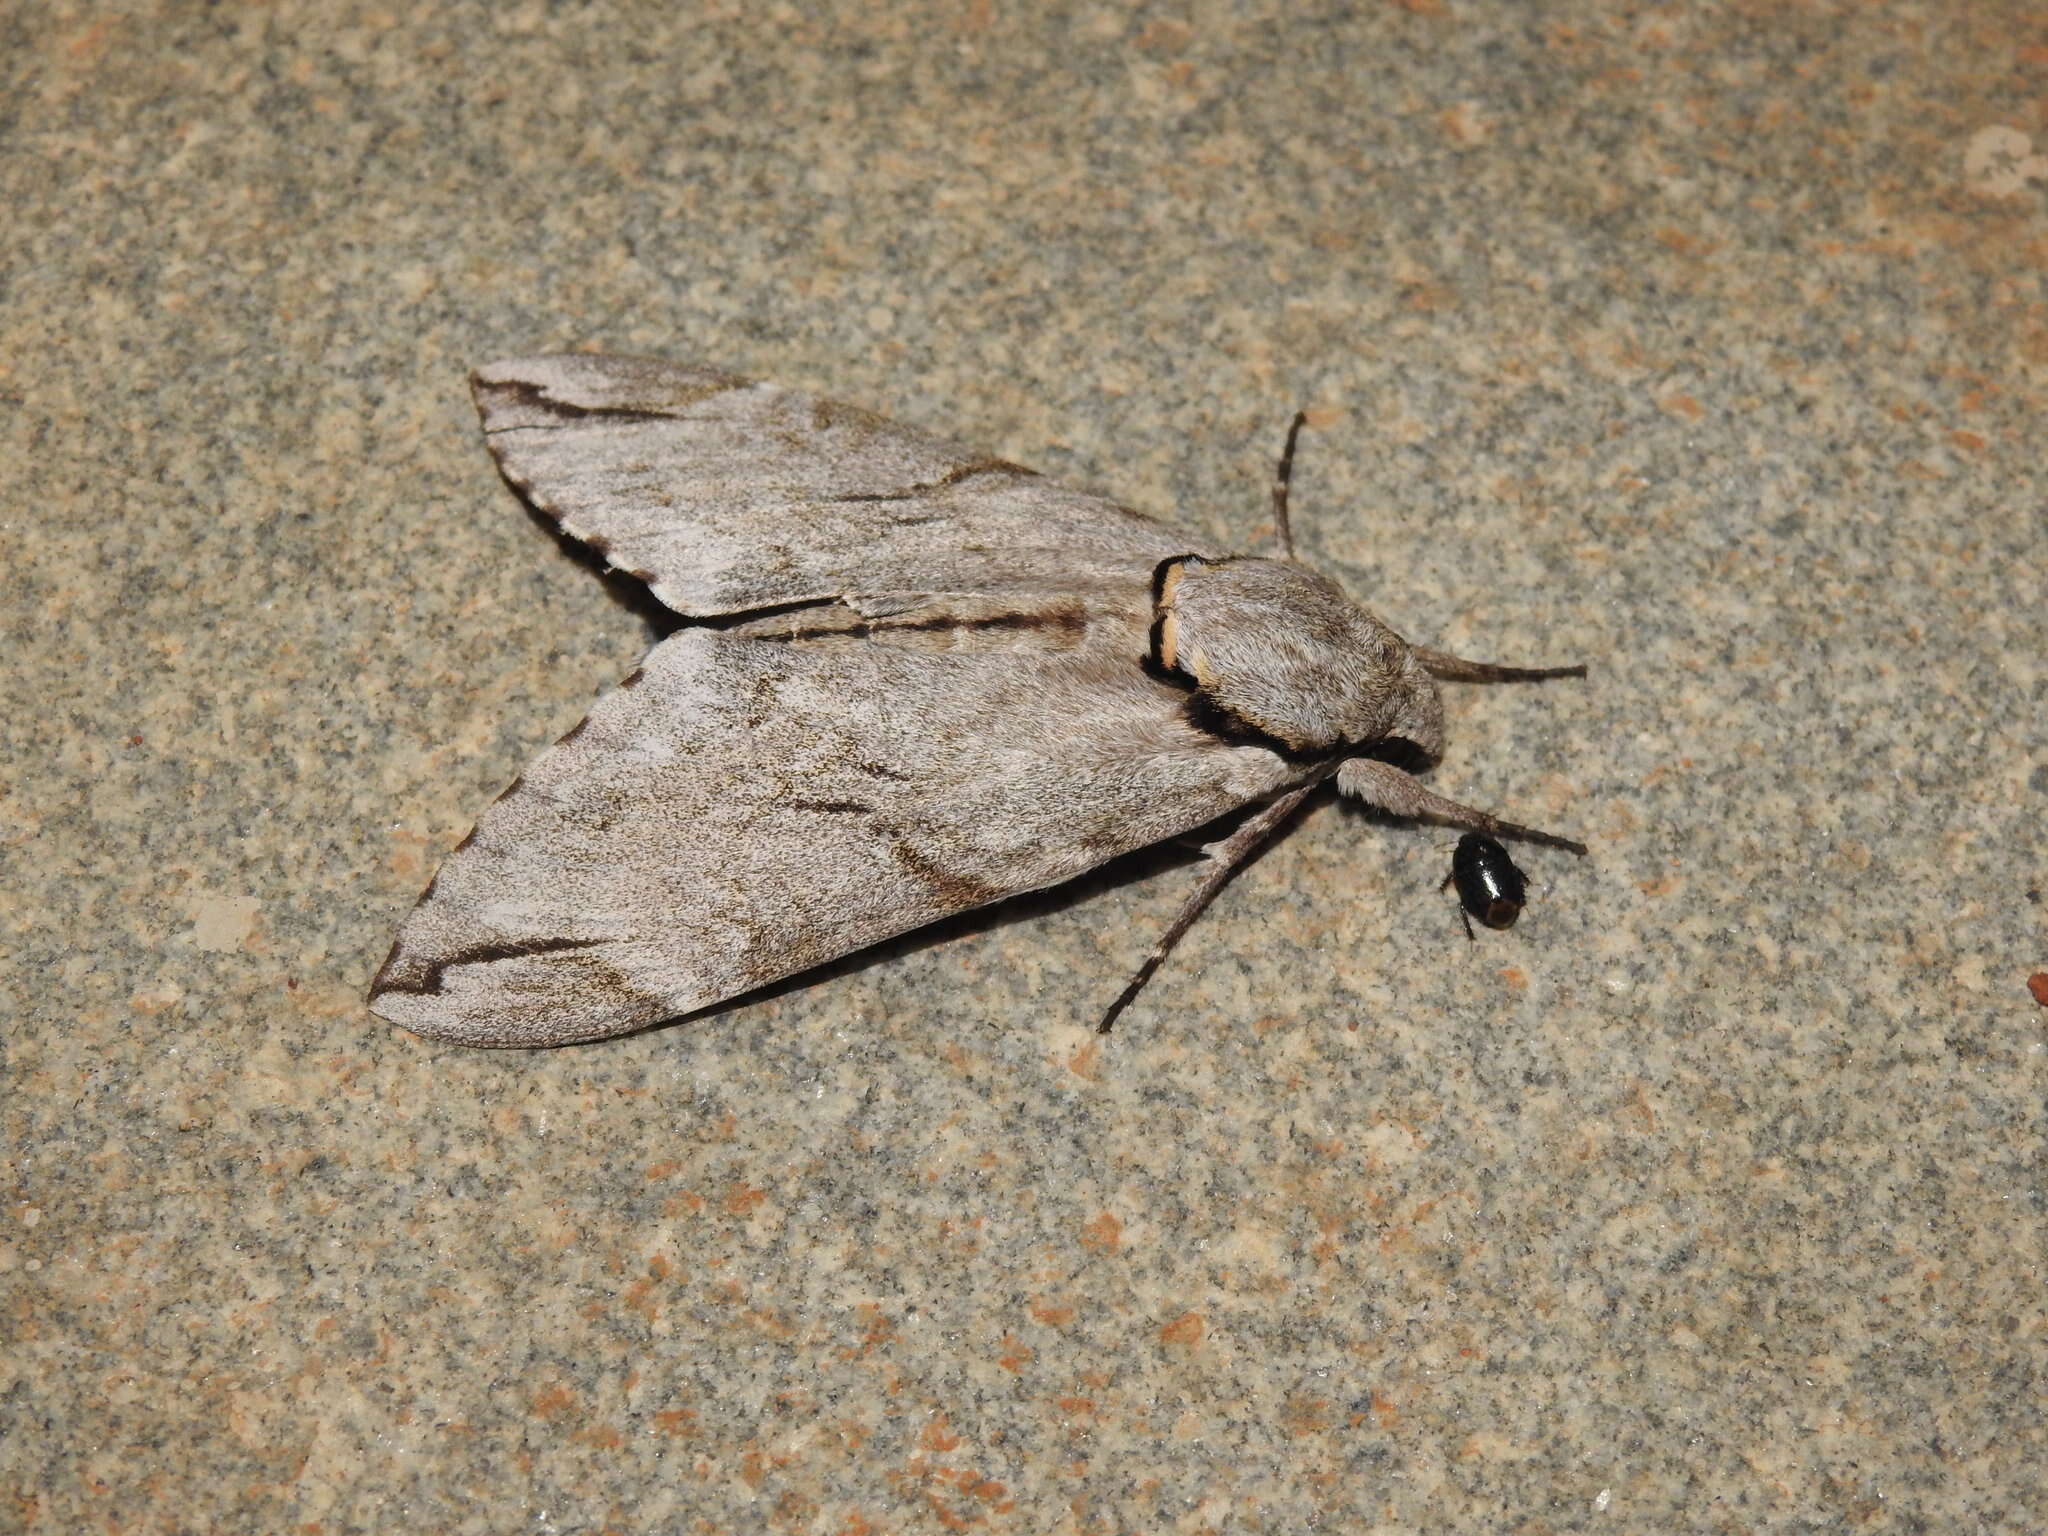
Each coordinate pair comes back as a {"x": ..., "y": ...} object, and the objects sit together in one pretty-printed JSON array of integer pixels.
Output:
[
  {"x": 726, "y": 496},
  {"x": 745, "y": 809}
]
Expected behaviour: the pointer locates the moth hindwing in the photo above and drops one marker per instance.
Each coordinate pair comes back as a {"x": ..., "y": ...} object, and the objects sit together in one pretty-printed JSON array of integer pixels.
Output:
[{"x": 919, "y": 680}]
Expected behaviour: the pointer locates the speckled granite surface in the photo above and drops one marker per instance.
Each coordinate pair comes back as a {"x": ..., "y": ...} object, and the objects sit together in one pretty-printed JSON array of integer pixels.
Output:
[{"x": 1703, "y": 343}]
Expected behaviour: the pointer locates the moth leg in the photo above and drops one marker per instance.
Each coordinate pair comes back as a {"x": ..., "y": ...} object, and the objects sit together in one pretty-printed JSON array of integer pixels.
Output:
[
  {"x": 1384, "y": 785},
  {"x": 1281, "y": 477},
  {"x": 1225, "y": 857},
  {"x": 1456, "y": 669}
]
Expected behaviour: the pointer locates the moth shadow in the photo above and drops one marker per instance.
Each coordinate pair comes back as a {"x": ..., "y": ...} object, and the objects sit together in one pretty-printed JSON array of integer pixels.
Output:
[{"x": 1130, "y": 869}]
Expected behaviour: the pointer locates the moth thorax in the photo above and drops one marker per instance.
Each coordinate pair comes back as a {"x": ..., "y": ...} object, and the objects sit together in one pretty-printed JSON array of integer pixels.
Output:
[{"x": 1278, "y": 650}]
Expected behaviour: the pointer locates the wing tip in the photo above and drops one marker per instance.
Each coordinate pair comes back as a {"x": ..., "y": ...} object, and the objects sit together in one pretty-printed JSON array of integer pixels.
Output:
[
  {"x": 513, "y": 995},
  {"x": 386, "y": 979},
  {"x": 566, "y": 388}
]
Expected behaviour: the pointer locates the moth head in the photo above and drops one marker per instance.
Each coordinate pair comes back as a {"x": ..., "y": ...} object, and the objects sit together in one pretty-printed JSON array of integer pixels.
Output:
[
  {"x": 1277, "y": 650},
  {"x": 1417, "y": 723}
]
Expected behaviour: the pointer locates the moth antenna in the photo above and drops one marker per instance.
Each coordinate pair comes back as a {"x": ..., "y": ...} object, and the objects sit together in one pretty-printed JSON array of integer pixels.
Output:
[
  {"x": 1384, "y": 785},
  {"x": 1456, "y": 669},
  {"x": 1226, "y": 856},
  {"x": 1281, "y": 477}
]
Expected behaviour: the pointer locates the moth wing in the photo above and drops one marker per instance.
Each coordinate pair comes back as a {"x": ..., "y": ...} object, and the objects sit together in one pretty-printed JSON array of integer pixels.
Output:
[
  {"x": 739, "y": 810},
  {"x": 725, "y": 495}
]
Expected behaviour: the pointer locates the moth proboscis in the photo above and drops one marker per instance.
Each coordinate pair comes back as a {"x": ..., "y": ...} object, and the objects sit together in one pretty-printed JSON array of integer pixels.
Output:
[{"x": 920, "y": 680}]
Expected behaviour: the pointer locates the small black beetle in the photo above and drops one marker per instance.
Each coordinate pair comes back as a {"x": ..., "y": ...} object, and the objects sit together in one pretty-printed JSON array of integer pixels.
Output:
[{"x": 1489, "y": 885}]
